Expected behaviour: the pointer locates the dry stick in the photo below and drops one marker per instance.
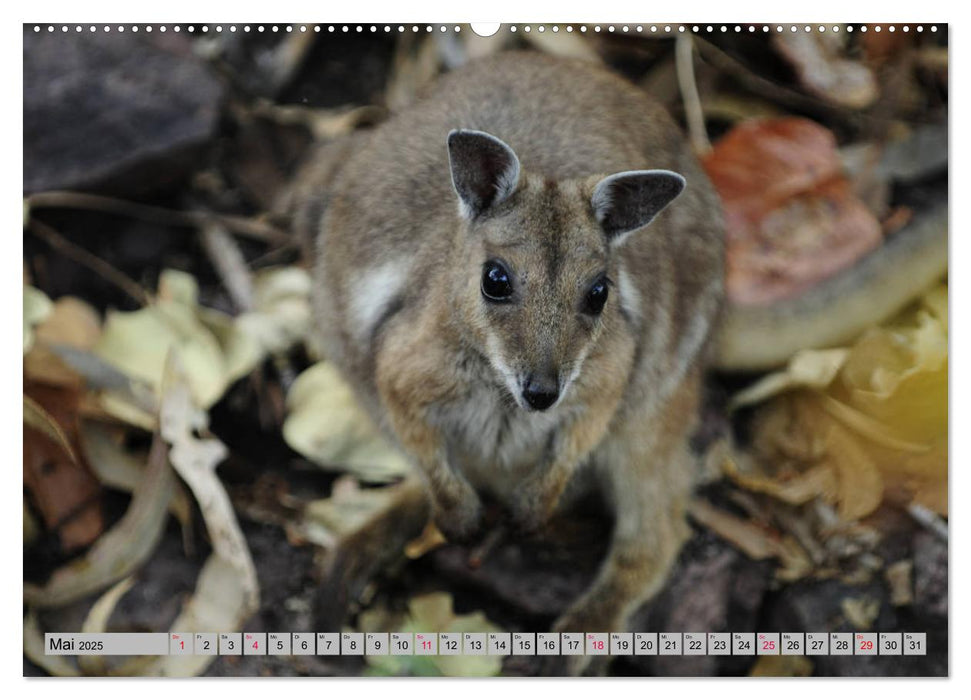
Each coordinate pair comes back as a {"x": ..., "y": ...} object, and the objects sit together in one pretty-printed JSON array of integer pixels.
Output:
[
  {"x": 492, "y": 540},
  {"x": 929, "y": 519},
  {"x": 684, "y": 64},
  {"x": 726, "y": 63},
  {"x": 229, "y": 263},
  {"x": 90, "y": 261},
  {"x": 158, "y": 215}
]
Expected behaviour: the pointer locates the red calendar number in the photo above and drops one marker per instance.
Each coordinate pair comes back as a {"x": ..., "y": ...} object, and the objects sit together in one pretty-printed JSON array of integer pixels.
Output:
[
  {"x": 866, "y": 645},
  {"x": 768, "y": 645}
]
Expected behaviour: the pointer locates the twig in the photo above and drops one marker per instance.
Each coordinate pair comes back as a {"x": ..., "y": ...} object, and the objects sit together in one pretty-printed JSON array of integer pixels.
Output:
[
  {"x": 695, "y": 116},
  {"x": 726, "y": 63},
  {"x": 492, "y": 540},
  {"x": 929, "y": 519},
  {"x": 89, "y": 260},
  {"x": 229, "y": 263},
  {"x": 251, "y": 228}
]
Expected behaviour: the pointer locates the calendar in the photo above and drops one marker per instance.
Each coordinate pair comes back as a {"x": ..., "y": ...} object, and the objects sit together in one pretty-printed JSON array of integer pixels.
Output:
[{"x": 488, "y": 644}]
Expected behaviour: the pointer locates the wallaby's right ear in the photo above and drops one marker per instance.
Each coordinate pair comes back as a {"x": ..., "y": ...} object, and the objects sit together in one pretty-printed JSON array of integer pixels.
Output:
[{"x": 485, "y": 171}]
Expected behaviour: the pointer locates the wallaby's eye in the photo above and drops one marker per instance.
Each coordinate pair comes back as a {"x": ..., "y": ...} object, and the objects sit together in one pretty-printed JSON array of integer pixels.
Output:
[
  {"x": 596, "y": 297},
  {"x": 496, "y": 285}
]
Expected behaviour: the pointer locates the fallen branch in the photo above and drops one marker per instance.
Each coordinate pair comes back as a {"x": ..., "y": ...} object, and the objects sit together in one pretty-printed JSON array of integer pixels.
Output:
[
  {"x": 251, "y": 228},
  {"x": 695, "y": 116},
  {"x": 91, "y": 261}
]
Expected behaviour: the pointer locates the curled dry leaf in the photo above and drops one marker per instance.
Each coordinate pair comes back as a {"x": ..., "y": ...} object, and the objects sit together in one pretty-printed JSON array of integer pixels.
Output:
[
  {"x": 71, "y": 322},
  {"x": 860, "y": 425},
  {"x": 138, "y": 343},
  {"x": 96, "y": 622},
  {"x": 122, "y": 549},
  {"x": 227, "y": 592},
  {"x": 326, "y": 425},
  {"x": 215, "y": 348},
  {"x": 791, "y": 216},
  {"x": 820, "y": 61},
  {"x": 118, "y": 469},
  {"x": 58, "y": 666},
  {"x": 279, "y": 319},
  {"x": 755, "y": 541}
]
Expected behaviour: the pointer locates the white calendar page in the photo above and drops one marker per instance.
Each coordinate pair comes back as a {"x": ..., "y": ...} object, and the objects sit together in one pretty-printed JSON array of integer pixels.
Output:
[{"x": 210, "y": 489}]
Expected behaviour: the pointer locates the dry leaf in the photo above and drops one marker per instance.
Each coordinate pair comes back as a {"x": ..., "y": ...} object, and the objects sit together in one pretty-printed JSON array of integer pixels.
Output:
[
  {"x": 433, "y": 613},
  {"x": 227, "y": 591},
  {"x": 327, "y": 521},
  {"x": 326, "y": 424},
  {"x": 36, "y": 308},
  {"x": 71, "y": 322},
  {"x": 117, "y": 469},
  {"x": 119, "y": 551},
  {"x": 823, "y": 68},
  {"x": 60, "y": 484},
  {"x": 56, "y": 665},
  {"x": 791, "y": 216},
  {"x": 756, "y": 542},
  {"x": 138, "y": 343},
  {"x": 900, "y": 579},
  {"x": 860, "y": 612},
  {"x": 96, "y": 622},
  {"x": 863, "y": 423},
  {"x": 784, "y": 666}
]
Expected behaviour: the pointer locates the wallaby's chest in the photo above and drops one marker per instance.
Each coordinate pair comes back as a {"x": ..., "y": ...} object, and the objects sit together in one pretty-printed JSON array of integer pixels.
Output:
[{"x": 493, "y": 443}]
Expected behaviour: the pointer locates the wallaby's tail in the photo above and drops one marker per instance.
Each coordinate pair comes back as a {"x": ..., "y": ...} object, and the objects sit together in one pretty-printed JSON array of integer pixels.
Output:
[{"x": 373, "y": 548}]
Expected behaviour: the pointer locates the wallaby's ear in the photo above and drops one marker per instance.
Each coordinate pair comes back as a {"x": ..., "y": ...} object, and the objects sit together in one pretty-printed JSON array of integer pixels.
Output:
[
  {"x": 485, "y": 171},
  {"x": 624, "y": 202}
]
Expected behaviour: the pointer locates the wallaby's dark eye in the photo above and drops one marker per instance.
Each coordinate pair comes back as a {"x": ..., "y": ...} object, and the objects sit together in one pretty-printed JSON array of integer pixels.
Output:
[
  {"x": 496, "y": 285},
  {"x": 596, "y": 297}
]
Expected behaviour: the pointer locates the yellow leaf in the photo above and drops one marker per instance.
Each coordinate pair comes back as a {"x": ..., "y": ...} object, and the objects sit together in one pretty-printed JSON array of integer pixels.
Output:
[{"x": 875, "y": 415}]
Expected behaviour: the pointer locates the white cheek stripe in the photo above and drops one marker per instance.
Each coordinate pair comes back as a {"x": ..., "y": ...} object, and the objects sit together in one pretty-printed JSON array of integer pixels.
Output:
[
  {"x": 371, "y": 293},
  {"x": 505, "y": 371},
  {"x": 630, "y": 297}
]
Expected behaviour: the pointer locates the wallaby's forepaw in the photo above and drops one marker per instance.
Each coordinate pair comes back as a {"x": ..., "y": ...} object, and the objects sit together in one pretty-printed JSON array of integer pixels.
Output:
[
  {"x": 530, "y": 511},
  {"x": 461, "y": 524}
]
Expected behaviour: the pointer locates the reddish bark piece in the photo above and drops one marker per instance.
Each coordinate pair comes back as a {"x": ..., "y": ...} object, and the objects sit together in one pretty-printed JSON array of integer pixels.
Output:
[{"x": 791, "y": 217}]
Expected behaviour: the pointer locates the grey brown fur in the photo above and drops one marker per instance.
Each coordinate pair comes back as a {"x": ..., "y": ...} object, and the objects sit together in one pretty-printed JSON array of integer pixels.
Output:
[{"x": 398, "y": 302}]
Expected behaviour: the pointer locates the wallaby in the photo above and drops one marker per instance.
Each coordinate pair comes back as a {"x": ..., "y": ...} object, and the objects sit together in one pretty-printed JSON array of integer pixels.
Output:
[{"x": 520, "y": 276}]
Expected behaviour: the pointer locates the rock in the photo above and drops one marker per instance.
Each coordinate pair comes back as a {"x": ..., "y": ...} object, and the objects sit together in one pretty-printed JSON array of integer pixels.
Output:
[{"x": 114, "y": 112}]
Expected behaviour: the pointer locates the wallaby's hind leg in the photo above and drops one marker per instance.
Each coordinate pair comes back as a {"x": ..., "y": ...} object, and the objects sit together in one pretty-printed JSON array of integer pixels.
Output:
[{"x": 370, "y": 550}]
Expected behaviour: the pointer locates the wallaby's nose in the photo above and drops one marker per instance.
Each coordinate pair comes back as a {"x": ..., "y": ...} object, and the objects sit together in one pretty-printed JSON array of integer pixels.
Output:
[{"x": 540, "y": 392}]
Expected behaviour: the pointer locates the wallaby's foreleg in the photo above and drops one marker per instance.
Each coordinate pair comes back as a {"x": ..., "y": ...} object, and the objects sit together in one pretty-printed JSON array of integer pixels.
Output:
[
  {"x": 647, "y": 474},
  {"x": 371, "y": 549}
]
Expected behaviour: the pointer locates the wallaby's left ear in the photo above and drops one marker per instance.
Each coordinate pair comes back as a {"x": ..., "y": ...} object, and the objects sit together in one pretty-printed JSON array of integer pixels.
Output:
[{"x": 624, "y": 202}]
